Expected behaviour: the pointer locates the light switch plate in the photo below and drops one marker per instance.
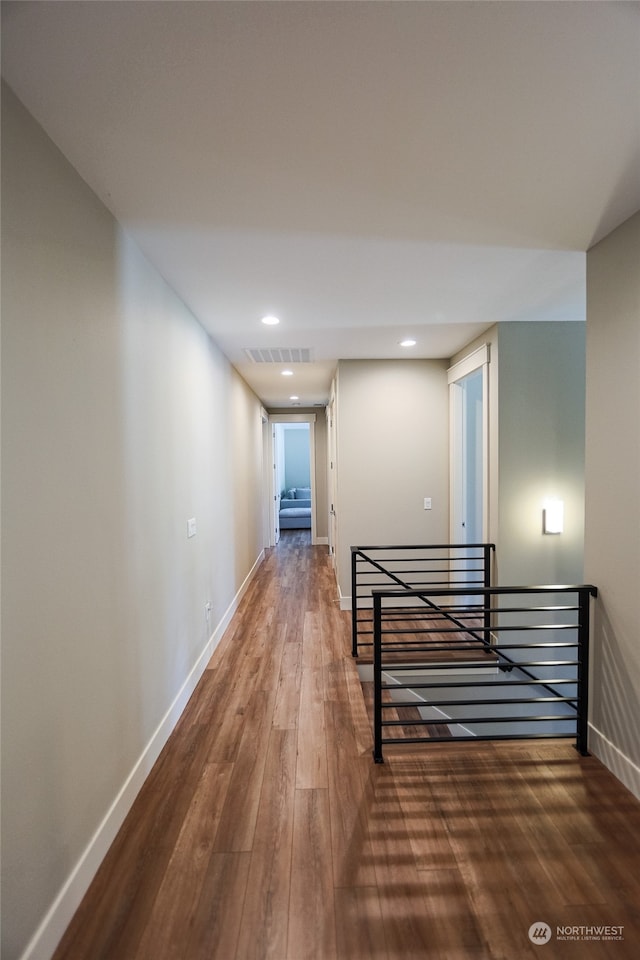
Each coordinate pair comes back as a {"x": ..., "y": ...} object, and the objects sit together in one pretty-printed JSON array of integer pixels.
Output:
[
  {"x": 427, "y": 503},
  {"x": 191, "y": 527}
]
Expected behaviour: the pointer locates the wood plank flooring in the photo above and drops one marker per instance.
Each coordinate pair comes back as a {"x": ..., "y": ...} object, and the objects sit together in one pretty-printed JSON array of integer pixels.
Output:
[{"x": 265, "y": 831}]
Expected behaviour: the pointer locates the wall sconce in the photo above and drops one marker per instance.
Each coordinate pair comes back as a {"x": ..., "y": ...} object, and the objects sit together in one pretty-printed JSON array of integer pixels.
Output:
[{"x": 553, "y": 516}]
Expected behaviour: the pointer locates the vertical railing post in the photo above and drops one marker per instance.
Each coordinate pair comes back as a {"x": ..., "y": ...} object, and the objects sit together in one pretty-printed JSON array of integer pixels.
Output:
[
  {"x": 582, "y": 732},
  {"x": 354, "y": 603},
  {"x": 377, "y": 679},
  {"x": 487, "y": 549}
]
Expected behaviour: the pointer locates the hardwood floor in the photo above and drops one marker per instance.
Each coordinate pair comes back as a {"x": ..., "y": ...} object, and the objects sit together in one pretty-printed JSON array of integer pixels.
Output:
[{"x": 266, "y": 831}]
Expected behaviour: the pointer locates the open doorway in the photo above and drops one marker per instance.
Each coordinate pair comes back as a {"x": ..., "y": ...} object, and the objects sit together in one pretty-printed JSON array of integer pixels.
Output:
[{"x": 293, "y": 490}]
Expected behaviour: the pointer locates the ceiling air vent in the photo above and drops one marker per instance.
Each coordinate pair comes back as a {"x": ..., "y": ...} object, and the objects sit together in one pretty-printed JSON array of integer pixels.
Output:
[{"x": 278, "y": 354}]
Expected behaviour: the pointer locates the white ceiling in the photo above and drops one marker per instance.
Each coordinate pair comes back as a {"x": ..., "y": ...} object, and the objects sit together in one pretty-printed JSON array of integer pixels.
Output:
[{"x": 364, "y": 170}]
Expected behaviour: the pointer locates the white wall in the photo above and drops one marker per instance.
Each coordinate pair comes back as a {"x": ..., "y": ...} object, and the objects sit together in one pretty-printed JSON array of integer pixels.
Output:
[
  {"x": 120, "y": 420},
  {"x": 392, "y": 452},
  {"x": 612, "y": 553}
]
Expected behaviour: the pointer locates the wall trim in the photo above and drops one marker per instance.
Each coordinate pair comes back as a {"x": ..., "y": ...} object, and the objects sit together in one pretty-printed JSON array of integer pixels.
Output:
[
  {"x": 615, "y": 760},
  {"x": 48, "y": 935},
  {"x": 477, "y": 358},
  {"x": 322, "y": 540}
]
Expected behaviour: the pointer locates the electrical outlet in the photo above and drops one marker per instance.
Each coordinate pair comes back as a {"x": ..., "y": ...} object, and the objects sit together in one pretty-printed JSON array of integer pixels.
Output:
[
  {"x": 191, "y": 527},
  {"x": 427, "y": 503}
]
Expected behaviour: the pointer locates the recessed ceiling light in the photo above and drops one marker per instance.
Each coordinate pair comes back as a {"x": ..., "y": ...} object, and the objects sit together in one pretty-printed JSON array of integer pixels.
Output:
[
  {"x": 408, "y": 342},
  {"x": 270, "y": 321},
  {"x": 287, "y": 373},
  {"x": 294, "y": 397}
]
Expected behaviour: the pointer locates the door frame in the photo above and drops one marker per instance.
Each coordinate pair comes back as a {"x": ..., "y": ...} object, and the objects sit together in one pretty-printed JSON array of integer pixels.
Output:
[
  {"x": 477, "y": 360},
  {"x": 330, "y": 413},
  {"x": 267, "y": 482},
  {"x": 309, "y": 418}
]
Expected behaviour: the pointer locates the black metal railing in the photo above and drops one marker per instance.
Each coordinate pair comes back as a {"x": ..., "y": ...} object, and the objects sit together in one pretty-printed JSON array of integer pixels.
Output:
[
  {"x": 414, "y": 567},
  {"x": 425, "y": 664}
]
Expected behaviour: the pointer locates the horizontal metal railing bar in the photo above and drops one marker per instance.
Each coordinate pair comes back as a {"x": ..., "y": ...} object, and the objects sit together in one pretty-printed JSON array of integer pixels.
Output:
[
  {"x": 393, "y": 704},
  {"x": 427, "y": 630},
  {"x": 458, "y": 564},
  {"x": 435, "y": 611},
  {"x": 429, "y": 648},
  {"x": 422, "y": 569},
  {"x": 415, "y": 630},
  {"x": 516, "y": 663},
  {"x": 404, "y": 557},
  {"x": 503, "y": 682},
  {"x": 454, "y": 565},
  {"x": 421, "y": 647},
  {"x": 542, "y": 718},
  {"x": 520, "y": 628},
  {"x": 416, "y": 647},
  {"x": 428, "y": 613},
  {"x": 414, "y": 572},
  {"x": 420, "y": 584},
  {"x": 471, "y": 629},
  {"x": 437, "y": 564},
  {"x": 457, "y": 739},
  {"x": 470, "y": 608},
  {"x": 377, "y": 570},
  {"x": 434, "y": 563},
  {"x": 423, "y": 546},
  {"x": 427, "y": 623},
  {"x": 547, "y": 608},
  {"x": 418, "y": 554},
  {"x": 494, "y": 591}
]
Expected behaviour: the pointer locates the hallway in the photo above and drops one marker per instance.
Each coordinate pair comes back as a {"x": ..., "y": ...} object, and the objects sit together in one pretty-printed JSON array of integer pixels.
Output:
[{"x": 266, "y": 831}]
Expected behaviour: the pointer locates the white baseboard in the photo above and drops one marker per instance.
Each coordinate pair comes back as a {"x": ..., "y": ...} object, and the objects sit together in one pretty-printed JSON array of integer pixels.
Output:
[
  {"x": 321, "y": 540},
  {"x": 47, "y": 937},
  {"x": 617, "y": 762},
  {"x": 345, "y": 601}
]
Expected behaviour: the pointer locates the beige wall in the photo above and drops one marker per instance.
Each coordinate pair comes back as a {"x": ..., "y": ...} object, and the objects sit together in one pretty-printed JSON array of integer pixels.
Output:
[
  {"x": 392, "y": 452},
  {"x": 612, "y": 553},
  {"x": 541, "y": 450},
  {"x": 536, "y": 447},
  {"x": 120, "y": 420}
]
